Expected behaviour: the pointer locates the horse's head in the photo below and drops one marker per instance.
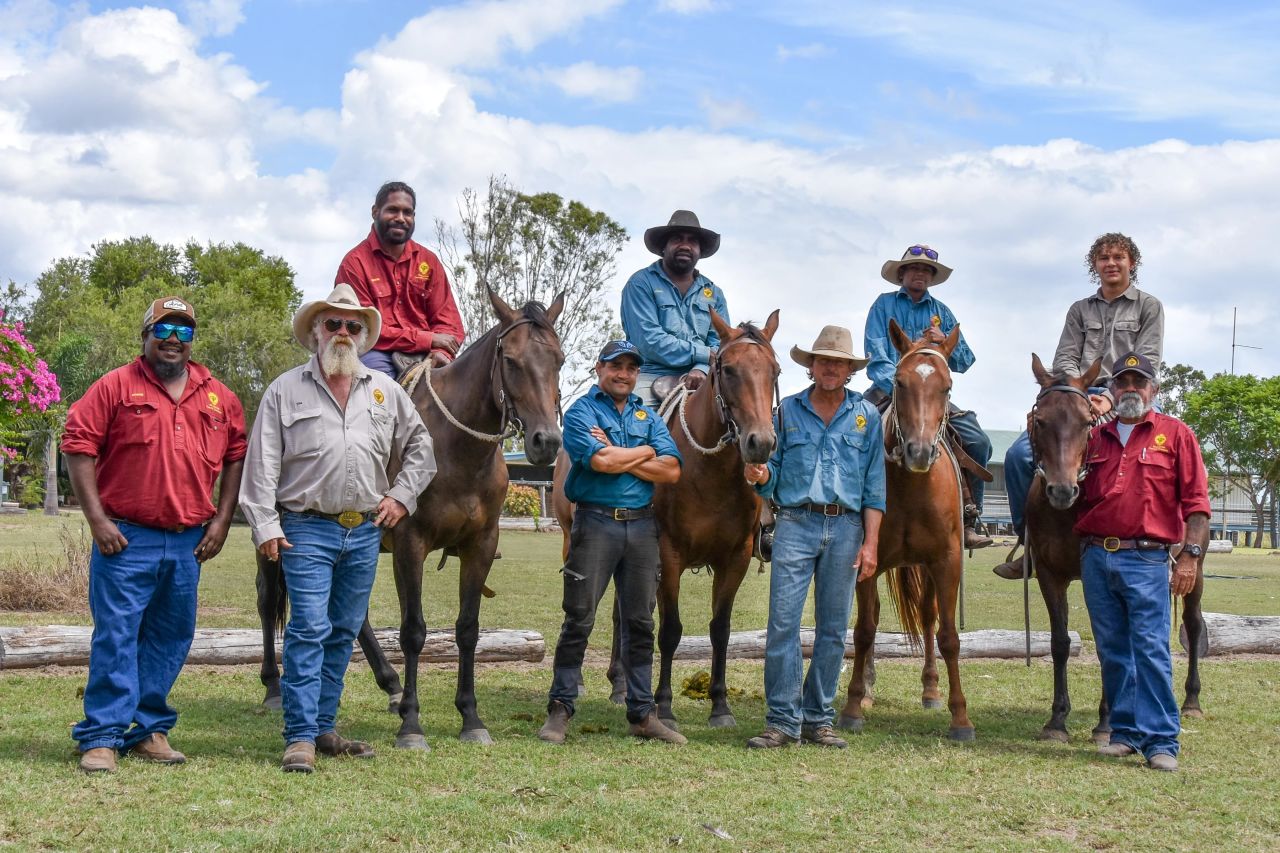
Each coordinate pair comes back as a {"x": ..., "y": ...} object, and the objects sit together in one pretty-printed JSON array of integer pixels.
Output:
[
  {"x": 744, "y": 375},
  {"x": 527, "y": 373},
  {"x": 1059, "y": 430},
  {"x": 921, "y": 394}
]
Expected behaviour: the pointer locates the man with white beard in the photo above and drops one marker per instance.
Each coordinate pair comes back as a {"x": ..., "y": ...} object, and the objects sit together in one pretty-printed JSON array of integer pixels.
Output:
[{"x": 318, "y": 498}]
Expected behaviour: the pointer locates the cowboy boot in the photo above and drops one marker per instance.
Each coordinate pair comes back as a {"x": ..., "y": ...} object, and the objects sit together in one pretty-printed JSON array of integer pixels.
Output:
[
  {"x": 972, "y": 538},
  {"x": 557, "y": 724}
]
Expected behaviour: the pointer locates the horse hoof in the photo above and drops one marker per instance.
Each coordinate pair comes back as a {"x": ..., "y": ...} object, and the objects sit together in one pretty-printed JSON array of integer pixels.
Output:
[
  {"x": 1058, "y": 735},
  {"x": 416, "y": 742},
  {"x": 1101, "y": 738},
  {"x": 867, "y": 702},
  {"x": 931, "y": 704},
  {"x": 722, "y": 721},
  {"x": 670, "y": 722},
  {"x": 273, "y": 703},
  {"x": 961, "y": 733},
  {"x": 618, "y": 697},
  {"x": 1193, "y": 712},
  {"x": 393, "y": 703},
  {"x": 480, "y": 736},
  {"x": 851, "y": 724}
]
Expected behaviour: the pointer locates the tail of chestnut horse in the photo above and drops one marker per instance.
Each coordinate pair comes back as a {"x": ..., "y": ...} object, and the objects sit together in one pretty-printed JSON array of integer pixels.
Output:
[
  {"x": 908, "y": 586},
  {"x": 271, "y": 591}
]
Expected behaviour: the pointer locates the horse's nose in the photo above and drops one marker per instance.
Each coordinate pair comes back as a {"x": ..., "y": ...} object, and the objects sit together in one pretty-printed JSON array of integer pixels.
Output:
[
  {"x": 540, "y": 446},
  {"x": 918, "y": 456},
  {"x": 757, "y": 447},
  {"x": 1062, "y": 495}
]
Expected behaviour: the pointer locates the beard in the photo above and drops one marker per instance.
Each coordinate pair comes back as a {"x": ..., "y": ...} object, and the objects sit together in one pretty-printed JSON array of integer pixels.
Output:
[
  {"x": 383, "y": 230},
  {"x": 339, "y": 356},
  {"x": 1131, "y": 405},
  {"x": 681, "y": 264},
  {"x": 169, "y": 369}
]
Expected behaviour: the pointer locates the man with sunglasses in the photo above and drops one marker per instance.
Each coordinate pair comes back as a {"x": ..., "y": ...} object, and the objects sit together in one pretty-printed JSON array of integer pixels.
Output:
[
  {"x": 1146, "y": 491},
  {"x": 408, "y": 285},
  {"x": 921, "y": 315},
  {"x": 318, "y": 498},
  {"x": 144, "y": 446}
]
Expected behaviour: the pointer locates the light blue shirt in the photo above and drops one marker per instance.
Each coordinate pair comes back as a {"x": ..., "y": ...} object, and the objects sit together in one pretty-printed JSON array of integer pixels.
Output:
[
  {"x": 914, "y": 318},
  {"x": 636, "y": 425},
  {"x": 672, "y": 332},
  {"x": 837, "y": 463}
]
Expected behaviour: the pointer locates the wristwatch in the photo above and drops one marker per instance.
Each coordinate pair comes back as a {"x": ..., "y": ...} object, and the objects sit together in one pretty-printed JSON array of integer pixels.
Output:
[{"x": 1192, "y": 549}]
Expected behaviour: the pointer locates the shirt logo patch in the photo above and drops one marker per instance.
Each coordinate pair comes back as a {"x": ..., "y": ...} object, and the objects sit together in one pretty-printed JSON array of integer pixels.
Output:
[
  {"x": 424, "y": 270},
  {"x": 1132, "y": 361},
  {"x": 378, "y": 396},
  {"x": 213, "y": 399},
  {"x": 861, "y": 421},
  {"x": 707, "y": 292},
  {"x": 1161, "y": 439},
  {"x": 935, "y": 320},
  {"x": 641, "y": 415}
]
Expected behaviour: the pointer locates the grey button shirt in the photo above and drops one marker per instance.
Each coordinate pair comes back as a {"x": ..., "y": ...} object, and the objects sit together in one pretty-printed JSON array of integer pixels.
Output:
[
  {"x": 1095, "y": 328},
  {"x": 306, "y": 453}
]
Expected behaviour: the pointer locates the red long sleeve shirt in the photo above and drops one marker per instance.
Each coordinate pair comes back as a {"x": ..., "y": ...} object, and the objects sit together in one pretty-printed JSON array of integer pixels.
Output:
[{"x": 412, "y": 294}]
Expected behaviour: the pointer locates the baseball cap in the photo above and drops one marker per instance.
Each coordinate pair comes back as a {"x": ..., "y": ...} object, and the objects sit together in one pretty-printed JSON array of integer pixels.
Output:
[
  {"x": 1132, "y": 362},
  {"x": 616, "y": 349},
  {"x": 167, "y": 306}
]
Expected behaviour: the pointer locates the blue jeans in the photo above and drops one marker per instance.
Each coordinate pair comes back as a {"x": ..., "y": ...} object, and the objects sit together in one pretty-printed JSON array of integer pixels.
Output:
[
  {"x": 1017, "y": 479},
  {"x": 976, "y": 443},
  {"x": 376, "y": 359},
  {"x": 808, "y": 546},
  {"x": 329, "y": 574},
  {"x": 143, "y": 601},
  {"x": 600, "y": 550},
  {"x": 1127, "y": 593}
]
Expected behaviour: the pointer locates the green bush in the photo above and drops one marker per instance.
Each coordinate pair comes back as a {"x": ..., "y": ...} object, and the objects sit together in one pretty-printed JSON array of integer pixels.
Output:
[{"x": 522, "y": 501}]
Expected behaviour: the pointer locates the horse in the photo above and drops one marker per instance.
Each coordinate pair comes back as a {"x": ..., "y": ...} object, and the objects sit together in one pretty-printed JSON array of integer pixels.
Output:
[
  {"x": 1059, "y": 428},
  {"x": 505, "y": 383},
  {"x": 708, "y": 517},
  {"x": 921, "y": 534}
]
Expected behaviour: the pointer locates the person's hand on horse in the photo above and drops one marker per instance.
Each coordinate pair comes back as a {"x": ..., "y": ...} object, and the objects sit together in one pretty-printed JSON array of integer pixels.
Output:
[
  {"x": 933, "y": 335},
  {"x": 601, "y": 436},
  {"x": 693, "y": 379},
  {"x": 215, "y": 534},
  {"x": 1184, "y": 574},
  {"x": 1100, "y": 403},
  {"x": 107, "y": 536},
  {"x": 755, "y": 474},
  {"x": 867, "y": 562},
  {"x": 272, "y": 547},
  {"x": 390, "y": 511},
  {"x": 446, "y": 342}
]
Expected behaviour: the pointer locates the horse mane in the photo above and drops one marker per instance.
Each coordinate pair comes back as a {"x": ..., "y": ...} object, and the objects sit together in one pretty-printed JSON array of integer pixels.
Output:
[
  {"x": 532, "y": 310},
  {"x": 753, "y": 333}
]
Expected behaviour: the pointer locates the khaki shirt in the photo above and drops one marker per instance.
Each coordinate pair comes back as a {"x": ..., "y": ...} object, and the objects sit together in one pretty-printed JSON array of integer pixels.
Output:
[
  {"x": 306, "y": 453},
  {"x": 1095, "y": 328}
]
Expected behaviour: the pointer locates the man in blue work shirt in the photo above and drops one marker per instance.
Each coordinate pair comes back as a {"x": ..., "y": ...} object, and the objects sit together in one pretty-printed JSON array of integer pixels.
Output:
[
  {"x": 666, "y": 307},
  {"x": 919, "y": 314},
  {"x": 619, "y": 449},
  {"x": 827, "y": 476}
]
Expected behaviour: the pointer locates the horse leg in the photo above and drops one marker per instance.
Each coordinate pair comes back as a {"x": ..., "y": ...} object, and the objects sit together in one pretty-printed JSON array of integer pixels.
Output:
[
  {"x": 853, "y": 715},
  {"x": 477, "y": 559},
  {"x": 929, "y": 696},
  {"x": 271, "y": 606},
  {"x": 617, "y": 673},
  {"x": 1193, "y": 624},
  {"x": 383, "y": 672},
  {"x": 409, "y": 552},
  {"x": 947, "y": 590},
  {"x": 869, "y": 672},
  {"x": 1054, "y": 593},
  {"x": 670, "y": 629},
  {"x": 725, "y": 582}
]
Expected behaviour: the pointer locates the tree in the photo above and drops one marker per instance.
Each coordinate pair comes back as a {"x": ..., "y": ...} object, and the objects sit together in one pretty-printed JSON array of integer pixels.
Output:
[
  {"x": 530, "y": 247},
  {"x": 1176, "y": 382}
]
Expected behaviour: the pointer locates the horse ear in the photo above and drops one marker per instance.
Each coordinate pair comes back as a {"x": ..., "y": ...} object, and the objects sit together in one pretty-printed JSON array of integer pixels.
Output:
[
  {"x": 952, "y": 339},
  {"x": 723, "y": 329},
  {"x": 557, "y": 305},
  {"x": 898, "y": 337},
  {"x": 1042, "y": 375},
  {"x": 1091, "y": 375},
  {"x": 770, "y": 325},
  {"x": 506, "y": 314}
]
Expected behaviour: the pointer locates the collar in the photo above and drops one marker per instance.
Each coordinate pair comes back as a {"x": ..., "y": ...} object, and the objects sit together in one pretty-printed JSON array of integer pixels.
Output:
[
  {"x": 850, "y": 397},
  {"x": 1113, "y": 426},
  {"x": 598, "y": 393},
  {"x": 197, "y": 375},
  {"x": 312, "y": 369},
  {"x": 700, "y": 281},
  {"x": 1130, "y": 292},
  {"x": 902, "y": 292}
]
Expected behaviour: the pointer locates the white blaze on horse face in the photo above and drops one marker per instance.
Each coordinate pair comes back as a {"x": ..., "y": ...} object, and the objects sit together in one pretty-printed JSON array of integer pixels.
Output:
[{"x": 925, "y": 370}]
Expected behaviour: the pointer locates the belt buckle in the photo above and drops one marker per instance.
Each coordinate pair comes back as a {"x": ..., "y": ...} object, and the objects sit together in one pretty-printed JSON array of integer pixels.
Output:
[
  {"x": 1111, "y": 544},
  {"x": 351, "y": 519},
  {"x": 831, "y": 510},
  {"x": 619, "y": 513}
]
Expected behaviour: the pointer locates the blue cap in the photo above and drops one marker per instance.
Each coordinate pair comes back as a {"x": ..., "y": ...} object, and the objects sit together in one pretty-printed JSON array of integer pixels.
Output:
[{"x": 616, "y": 349}]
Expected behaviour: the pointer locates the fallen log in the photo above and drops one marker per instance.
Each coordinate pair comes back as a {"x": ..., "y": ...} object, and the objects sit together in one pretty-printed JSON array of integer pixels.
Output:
[
  {"x": 1228, "y": 634},
  {"x": 68, "y": 645},
  {"x": 990, "y": 643}
]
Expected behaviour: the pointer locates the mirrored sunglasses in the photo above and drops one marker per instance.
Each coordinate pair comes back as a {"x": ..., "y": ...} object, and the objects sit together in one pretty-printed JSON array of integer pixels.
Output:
[
  {"x": 917, "y": 251},
  {"x": 164, "y": 331},
  {"x": 354, "y": 327}
]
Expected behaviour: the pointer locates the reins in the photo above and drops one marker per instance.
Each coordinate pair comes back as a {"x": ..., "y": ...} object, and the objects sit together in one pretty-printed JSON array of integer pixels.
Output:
[
  {"x": 731, "y": 429},
  {"x": 1037, "y": 468}
]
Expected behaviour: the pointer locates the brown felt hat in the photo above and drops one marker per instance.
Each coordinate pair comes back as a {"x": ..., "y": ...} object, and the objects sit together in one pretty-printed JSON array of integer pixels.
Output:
[
  {"x": 920, "y": 253},
  {"x": 655, "y": 239},
  {"x": 832, "y": 342}
]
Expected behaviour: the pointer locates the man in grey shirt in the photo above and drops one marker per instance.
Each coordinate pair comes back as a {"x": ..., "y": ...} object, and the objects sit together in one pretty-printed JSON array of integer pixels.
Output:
[
  {"x": 317, "y": 495},
  {"x": 1117, "y": 319}
]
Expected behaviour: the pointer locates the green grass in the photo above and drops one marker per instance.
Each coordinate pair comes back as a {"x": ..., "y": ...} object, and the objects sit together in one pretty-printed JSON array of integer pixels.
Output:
[{"x": 900, "y": 786}]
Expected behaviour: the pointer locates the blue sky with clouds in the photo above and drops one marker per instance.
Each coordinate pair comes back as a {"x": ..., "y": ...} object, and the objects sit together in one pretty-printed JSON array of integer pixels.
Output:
[{"x": 819, "y": 137}]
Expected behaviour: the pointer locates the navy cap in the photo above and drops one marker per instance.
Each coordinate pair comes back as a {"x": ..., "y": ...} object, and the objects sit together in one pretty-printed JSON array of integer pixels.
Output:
[
  {"x": 617, "y": 349},
  {"x": 1132, "y": 362}
]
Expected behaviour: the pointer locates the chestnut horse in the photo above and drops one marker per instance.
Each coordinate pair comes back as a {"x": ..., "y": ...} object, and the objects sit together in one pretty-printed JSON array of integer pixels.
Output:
[
  {"x": 708, "y": 517},
  {"x": 1059, "y": 428},
  {"x": 921, "y": 534},
  {"x": 506, "y": 382}
]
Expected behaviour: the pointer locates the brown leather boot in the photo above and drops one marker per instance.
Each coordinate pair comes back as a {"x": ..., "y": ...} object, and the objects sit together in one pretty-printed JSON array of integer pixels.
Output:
[
  {"x": 156, "y": 749},
  {"x": 299, "y": 757},
  {"x": 332, "y": 743},
  {"x": 557, "y": 724},
  {"x": 771, "y": 738},
  {"x": 652, "y": 728},
  {"x": 974, "y": 540},
  {"x": 1012, "y": 569},
  {"x": 100, "y": 759}
]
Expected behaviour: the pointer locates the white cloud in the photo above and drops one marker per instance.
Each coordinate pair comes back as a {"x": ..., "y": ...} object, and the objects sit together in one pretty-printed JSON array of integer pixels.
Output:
[
  {"x": 813, "y": 50},
  {"x": 594, "y": 82},
  {"x": 215, "y": 17},
  {"x": 687, "y": 7},
  {"x": 722, "y": 113}
]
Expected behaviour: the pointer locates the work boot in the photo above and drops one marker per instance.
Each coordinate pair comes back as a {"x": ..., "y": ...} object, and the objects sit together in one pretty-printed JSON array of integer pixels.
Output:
[
  {"x": 652, "y": 728},
  {"x": 299, "y": 757},
  {"x": 1162, "y": 761},
  {"x": 1116, "y": 750},
  {"x": 1012, "y": 569},
  {"x": 100, "y": 759},
  {"x": 974, "y": 540},
  {"x": 156, "y": 749},
  {"x": 822, "y": 736},
  {"x": 332, "y": 743},
  {"x": 557, "y": 724},
  {"x": 771, "y": 738}
]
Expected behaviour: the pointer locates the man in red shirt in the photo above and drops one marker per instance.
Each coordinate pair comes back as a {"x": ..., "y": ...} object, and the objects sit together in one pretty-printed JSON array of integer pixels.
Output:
[
  {"x": 1146, "y": 491},
  {"x": 144, "y": 446},
  {"x": 408, "y": 285}
]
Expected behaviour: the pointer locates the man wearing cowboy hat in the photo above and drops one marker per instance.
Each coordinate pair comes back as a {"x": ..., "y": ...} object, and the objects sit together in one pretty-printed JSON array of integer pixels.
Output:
[
  {"x": 1146, "y": 491},
  {"x": 144, "y": 446},
  {"x": 827, "y": 477},
  {"x": 318, "y": 498},
  {"x": 920, "y": 314},
  {"x": 666, "y": 307}
]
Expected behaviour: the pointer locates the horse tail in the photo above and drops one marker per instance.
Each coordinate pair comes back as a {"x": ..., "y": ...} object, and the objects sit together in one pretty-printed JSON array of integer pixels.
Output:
[
  {"x": 271, "y": 588},
  {"x": 908, "y": 586}
]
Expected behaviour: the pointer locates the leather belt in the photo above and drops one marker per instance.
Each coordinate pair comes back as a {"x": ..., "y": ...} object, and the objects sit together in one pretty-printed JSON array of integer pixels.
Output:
[
  {"x": 178, "y": 528},
  {"x": 1113, "y": 544},
  {"x": 831, "y": 510},
  {"x": 619, "y": 513},
  {"x": 350, "y": 518}
]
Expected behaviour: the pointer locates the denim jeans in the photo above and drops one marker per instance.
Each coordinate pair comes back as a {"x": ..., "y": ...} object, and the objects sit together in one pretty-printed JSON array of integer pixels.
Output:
[
  {"x": 329, "y": 574},
  {"x": 1017, "y": 479},
  {"x": 601, "y": 549},
  {"x": 978, "y": 446},
  {"x": 808, "y": 546},
  {"x": 143, "y": 601},
  {"x": 1127, "y": 593}
]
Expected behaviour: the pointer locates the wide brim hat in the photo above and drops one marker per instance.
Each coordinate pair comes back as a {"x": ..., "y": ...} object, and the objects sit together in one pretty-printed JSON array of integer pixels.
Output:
[
  {"x": 655, "y": 239},
  {"x": 344, "y": 299},
  {"x": 889, "y": 272},
  {"x": 832, "y": 342}
]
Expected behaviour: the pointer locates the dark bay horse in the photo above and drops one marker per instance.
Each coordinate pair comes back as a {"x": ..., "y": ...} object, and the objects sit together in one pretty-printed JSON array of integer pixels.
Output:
[
  {"x": 921, "y": 534},
  {"x": 1059, "y": 429},
  {"x": 708, "y": 517},
  {"x": 504, "y": 383}
]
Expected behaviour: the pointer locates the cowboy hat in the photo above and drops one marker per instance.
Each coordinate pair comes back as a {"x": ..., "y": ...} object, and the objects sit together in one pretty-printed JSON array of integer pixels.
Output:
[
  {"x": 917, "y": 254},
  {"x": 832, "y": 342},
  {"x": 344, "y": 299},
  {"x": 655, "y": 239}
]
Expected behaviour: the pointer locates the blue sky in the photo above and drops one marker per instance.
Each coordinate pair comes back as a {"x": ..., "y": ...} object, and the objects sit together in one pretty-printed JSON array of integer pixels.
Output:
[{"x": 820, "y": 138}]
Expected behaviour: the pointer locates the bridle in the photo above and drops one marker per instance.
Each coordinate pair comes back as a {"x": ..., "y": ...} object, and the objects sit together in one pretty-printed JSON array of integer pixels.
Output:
[
  {"x": 731, "y": 429},
  {"x": 1037, "y": 465},
  {"x": 900, "y": 440}
]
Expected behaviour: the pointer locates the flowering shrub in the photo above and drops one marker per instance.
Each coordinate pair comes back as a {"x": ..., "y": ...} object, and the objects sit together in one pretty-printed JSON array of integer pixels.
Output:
[
  {"x": 521, "y": 501},
  {"x": 27, "y": 386}
]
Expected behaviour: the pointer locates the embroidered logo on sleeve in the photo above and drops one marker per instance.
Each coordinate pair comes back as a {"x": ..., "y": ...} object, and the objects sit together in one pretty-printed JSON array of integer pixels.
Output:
[{"x": 378, "y": 396}]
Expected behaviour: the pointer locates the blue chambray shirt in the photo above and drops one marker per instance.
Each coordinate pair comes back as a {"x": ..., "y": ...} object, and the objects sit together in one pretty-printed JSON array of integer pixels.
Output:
[
  {"x": 841, "y": 463},
  {"x": 914, "y": 318},
  {"x": 672, "y": 332},
  {"x": 634, "y": 426}
]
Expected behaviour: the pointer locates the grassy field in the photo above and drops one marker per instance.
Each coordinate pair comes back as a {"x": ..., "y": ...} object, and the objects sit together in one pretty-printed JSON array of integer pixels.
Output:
[{"x": 900, "y": 786}]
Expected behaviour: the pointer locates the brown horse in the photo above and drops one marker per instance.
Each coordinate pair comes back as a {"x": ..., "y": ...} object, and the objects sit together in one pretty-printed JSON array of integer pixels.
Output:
[
  {"x": 506, "y": 382},
  {"x": 1059, "y": 428},
  {"x": 921, "y": 534},
  {"x": 708, "y": 517}
]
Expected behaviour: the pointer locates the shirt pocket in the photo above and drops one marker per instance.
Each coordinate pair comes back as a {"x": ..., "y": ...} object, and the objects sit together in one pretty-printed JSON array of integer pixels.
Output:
[
  {"x": 213, "y": 436},
  {"x": 1092, "y": 339},
  {"x": 669, "y": 316},
  {"x": 303, "y": 432},
  {"x": 380, "y": 288},
  {"x": 799, "y": 452},
  {"x": 1157, "y": 467},
  {"x": 381, "y": 429},
  {"x": 851, "y": 450},
  {"x": 138, "y": 423}
]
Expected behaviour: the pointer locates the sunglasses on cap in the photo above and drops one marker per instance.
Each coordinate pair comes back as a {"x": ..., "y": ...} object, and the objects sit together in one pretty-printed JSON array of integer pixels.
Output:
[
  {"x": 354, "y": 327},
  {"x": 164, "y": 331},
  {"x": 917, "y": 251}
]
